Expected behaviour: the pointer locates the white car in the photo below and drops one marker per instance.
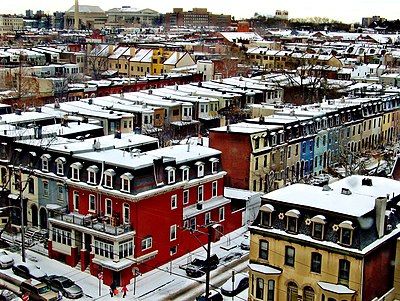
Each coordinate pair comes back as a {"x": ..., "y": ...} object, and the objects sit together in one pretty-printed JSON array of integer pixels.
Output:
[
  {"x": 6, "y": 261},
  {"x": 245, "y": 244}
]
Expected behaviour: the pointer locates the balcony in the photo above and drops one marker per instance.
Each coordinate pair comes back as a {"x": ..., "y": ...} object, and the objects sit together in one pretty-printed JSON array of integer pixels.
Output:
[{"x": 104, "y": 224}]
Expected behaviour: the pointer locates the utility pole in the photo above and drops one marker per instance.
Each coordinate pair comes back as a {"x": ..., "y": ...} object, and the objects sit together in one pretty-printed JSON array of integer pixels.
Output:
[
  {"x": 22, "y": 217},
  {"x": 210, "y": 228}
]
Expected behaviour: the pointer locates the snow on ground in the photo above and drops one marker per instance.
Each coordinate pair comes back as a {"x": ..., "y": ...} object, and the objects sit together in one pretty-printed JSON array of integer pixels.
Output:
[{"x": 158, "y": 284}]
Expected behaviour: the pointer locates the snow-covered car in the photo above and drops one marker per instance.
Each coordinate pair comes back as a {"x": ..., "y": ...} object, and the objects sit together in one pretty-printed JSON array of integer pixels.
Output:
[
  {"x": 7, "y": 295},
  {"x": 232, "y": 288},
  {"x": 212, "y": 296},
  {"x": 6, "y": 261},
  {"x": 27, "y": 270},
  {"x": 66, "y": 286},
  {"x": 245, "y": 244},
  {"x": 198, "y": 267}
]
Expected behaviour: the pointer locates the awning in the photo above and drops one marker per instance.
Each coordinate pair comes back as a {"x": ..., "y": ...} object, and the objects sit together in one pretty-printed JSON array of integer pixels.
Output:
[
  {"x": 267, "y": 208},
  {"x": 264, "y": 269},
  {"x": 335, "y": 288},
  {"x": 93, "y": 168},
  {"x": 53, "y": 207},
  {"x": 127, "y": 175},
  {"x": 293, "y": 213}
]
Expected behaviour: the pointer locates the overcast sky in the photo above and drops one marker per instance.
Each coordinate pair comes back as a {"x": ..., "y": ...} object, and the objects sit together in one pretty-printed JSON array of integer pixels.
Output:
[{"x": 343, "y": 10}]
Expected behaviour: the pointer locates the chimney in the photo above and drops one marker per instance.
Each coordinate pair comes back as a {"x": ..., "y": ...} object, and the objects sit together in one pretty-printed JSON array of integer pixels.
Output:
[
  {"x": 76, "y": 16},
  {"x": 380, "y": 209}
]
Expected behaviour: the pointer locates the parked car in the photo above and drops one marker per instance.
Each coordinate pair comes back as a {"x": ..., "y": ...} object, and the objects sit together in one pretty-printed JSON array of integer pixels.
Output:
[
  {"x": 38, "y": 290},
  {"x": 66, "y": 286},
  {"x": 229, "y": 288},
  {"x": 245, "y": 244},
  {"x": 6, "y": 261},
  {"x": 198, "y": 267},
  {"x": 27, "y": 270},
  {"x": 212, "y": 296},
  {"x": 7, "y": 295},
  {"x": 230, "y": 257}
]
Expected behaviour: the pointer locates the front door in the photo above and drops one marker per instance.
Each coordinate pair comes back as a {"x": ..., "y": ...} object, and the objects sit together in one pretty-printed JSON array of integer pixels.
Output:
[
  {"x": 35, "y": 219},
  {"x": 43, "y": 218},
  {"x": 117, "y": 278}
]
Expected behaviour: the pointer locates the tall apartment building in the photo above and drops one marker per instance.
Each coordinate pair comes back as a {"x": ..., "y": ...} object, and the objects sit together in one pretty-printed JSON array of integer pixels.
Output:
[
  {"x": 196, "y": 17},
  {"x": 10, "y": 24}
]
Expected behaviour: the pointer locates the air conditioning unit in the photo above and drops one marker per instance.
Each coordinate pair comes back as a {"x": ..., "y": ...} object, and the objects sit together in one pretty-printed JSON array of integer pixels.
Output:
[{"x": 199, "y": 206}]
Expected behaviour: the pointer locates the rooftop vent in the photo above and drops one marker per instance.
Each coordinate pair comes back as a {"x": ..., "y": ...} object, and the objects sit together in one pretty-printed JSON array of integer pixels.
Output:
[
  {"x": 346, "y": 191},
  {"x": 366, "y": 182}
]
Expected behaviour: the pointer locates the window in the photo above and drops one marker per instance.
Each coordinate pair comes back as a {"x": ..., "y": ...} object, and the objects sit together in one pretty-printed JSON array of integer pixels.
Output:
[
  {"x": 200, "y": 169},
  {"x": 192, "y": 223},
  {"x": 171, "y": 174},
  {"x": 108, "y": 207},
  {"x": 316, "y": 260},
  {"x": 108, "y": 178},
  {"x": 126, "y": 182},
  {"x": 125, "y": 249},
  {"x": 214, "y": 165},
  {"x": 185, "y": 197},
  {"x": 147, "y": 243},
  {"x": 260, "y": 289},
  {"x": 221, "y": 214},
  {"x": 292, "y": 217},
  {"x": 214, "y": 189},
  {"x": 318, "y": 230},
  {"x": 173, "y": 250},
  {"x": 271, "y": 290},
  {"x": 75, "y": 167},
  {"x": 61, "y": 236},
  {"x": 172, "y": 233},
  {"x": 346, "y": 233},
  {"x": 60, "y": 165},
  {"x": 45, "y": 162},
  {"x": 207, "y": 218},
  {"x": 256, "y": 164},
  {"x": 31, "y": 186},
  {"x": 263, "y": 249},
  {"x": 344, "y": 272},
  {"x": 289, "y": 256},
  {"x": 185, "y": 174},
  {"x": 46, "y": 188},
  {"x": 126, "y": 213},
  {"x": 174, "y": 203},
  {"x": 92, "y": 170},
  {"x": 92, "y": 203},
  {"x": 60, "y": 192},
  {"x": 104, "y": 249},
  {"x": 200, "y": 194},
  {"x": 76, "y": 200}
]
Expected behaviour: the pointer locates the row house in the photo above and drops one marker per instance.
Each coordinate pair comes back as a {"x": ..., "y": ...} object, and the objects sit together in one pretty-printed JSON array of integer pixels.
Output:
[
  {"x": 38, "y": 167},
  {"x": 112, "y": 196},
  {"x": 316, "y": 137},
  {"x": 308, "y": 243}
]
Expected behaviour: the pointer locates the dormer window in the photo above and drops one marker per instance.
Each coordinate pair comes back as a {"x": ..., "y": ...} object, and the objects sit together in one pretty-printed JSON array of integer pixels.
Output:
[
  {"x": 346, "y": 233},
  {"x": 256, "y": 142},
  {"x": 126, "y": 179},
  {"x": 75, "y": 170},
  {"x": 171, "y": 174},
  {"x": 266, "y": 215},
  {"x": 108, "y": 178},
  {"x": 200, "y": 169},
  {"x": 45, "y": 162},
  {"x": 273, "y": 139},
  {"x": 92, "y": 171},
  {"x": 214, "y": 165},
  {"x": 60, "y": 161},
  {"x": 185, "y": 173},
  {"x": 318, "y": 225},
  {"x": 292, "y": 217}
]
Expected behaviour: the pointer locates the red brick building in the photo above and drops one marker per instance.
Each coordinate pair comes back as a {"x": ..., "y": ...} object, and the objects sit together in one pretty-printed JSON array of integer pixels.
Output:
[{"x": 131, "y": 210}]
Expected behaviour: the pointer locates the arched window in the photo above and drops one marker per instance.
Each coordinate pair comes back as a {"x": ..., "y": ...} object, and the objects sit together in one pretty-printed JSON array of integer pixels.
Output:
[
  {"x": 292, "y": 217},
  {"x": 200, "y": 169},
  {"x": 292, "y": 291},
  {"x": 75, "y": 170},
  {"x": 318, "y": 222},
  {"x": 126, "y": 179},
  {"x": 45, "y": 162},
  {"x": 266, "y": 214},
  {"x": 92, "y": 171},
  {"x": 171, "y": 174},
  {"x": 60, "y": 161},
  {"x": 108, "y": 178},
  {"x": 346, "y": 233},
  {"x": 308, "y": 294}
]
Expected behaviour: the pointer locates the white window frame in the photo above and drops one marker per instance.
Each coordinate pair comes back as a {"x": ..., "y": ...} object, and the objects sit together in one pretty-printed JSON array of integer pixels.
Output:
[
  {"x": 60, "y": 195},
  {"x": 200, "y": 193},
  {"x": 221, "y": 214},
  {"x": 45, "y": 164},
  {"x": 126, "y": 182},
  {"x": 200, "y": 169},
  {"x": 126, "y": 219},
  {"x": 214, "y": 165},
  {"x": 60, "y": 166},
  {"x": 172, "y": 233},
  {"x": 185, "y": 174},
  {"x": 148, "y": 243},
  {"x": 76, "y": 167},
  {"x": 185, "y": 202},
  {"x": 214, "y": 185},
  {"x": 92, "y": 209},
  {"x": 46, "y": 188},
  {"x": 76, "y": 200},
  {"x": 109, "y": 175},
  {"x": 106, "y": 202},
  {"x": 170, "y": 174},
  {"x": 207, "y": 218}
]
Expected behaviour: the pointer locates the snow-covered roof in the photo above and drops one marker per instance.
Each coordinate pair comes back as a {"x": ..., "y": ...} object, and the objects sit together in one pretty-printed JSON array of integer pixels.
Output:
[
  {"x": 335, "y": 288},
  {"x": 240, "y": 194},
  {"x": 359, "y": 203},
  {"x": 86, "y": 9},
  {"x": 143, "y": 56},
  {"x": 264, "y": 269},
  {"x": 174, "y": 58},
  {"x": 237, "y": 36},
  {"x": 246, "y": 128}
]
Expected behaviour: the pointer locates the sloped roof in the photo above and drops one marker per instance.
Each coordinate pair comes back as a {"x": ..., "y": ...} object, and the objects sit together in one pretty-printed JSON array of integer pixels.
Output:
[{"x": 86, "y": 9}]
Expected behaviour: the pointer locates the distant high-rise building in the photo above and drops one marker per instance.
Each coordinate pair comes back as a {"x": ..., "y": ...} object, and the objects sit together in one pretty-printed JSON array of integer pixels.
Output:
[
  {"x": 198, "y": 17},
  {"x": 366, "y": 21},
  {"x": 29, "y": 13}
]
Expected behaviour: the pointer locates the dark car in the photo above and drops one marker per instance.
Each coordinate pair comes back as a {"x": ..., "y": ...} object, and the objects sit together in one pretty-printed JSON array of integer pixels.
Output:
[
  {"x": 66, "y": 286},
  {"x": 212, "y": 296},
  {"x": 198, "y": 267},
  {"x": 27, "y": 270},
  {"x": 240, "y": 283}
]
